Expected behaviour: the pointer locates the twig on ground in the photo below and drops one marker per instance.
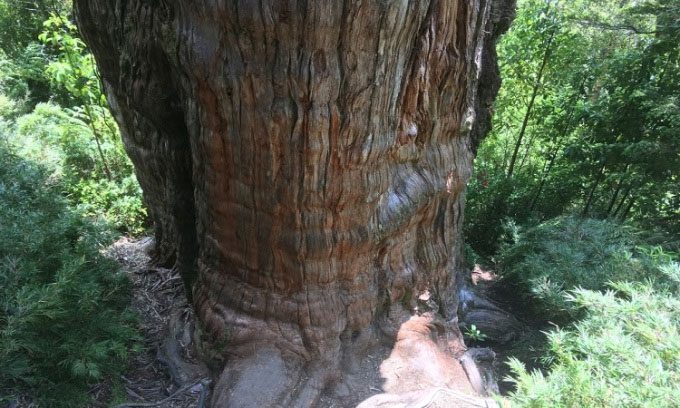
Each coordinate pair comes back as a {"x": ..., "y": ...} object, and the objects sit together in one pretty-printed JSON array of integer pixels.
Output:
[
  {"x": 204, "y": 382},
  {"x": 203, "y": 397}
]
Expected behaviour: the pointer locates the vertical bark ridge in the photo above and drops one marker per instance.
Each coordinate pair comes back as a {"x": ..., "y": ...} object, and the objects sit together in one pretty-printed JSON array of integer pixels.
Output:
[{"x": 306, "y": 161}]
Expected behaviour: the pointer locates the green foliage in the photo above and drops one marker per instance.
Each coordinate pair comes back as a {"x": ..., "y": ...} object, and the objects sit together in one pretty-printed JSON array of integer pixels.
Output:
[
  {"x": 77, "y": 139},
  {"x": 7, "y": 106},
  {"x": 62, "y": 140},
  {"x": 21, "y": 21},
  {"x": 72, "y": 73},
  {"x": 624, "y": 353},
  {"x": 566, "y": 253},
  {"x": 23, "y": 60},
  {"x": 487, "y": 214},
  {"x": 120, "y": 200},
  {"x": 621, "y": 346},
  {"x": 474, "y": 334},
  {"x": 64, "y": 321},
  {"x": 23, "y": 79},
  {"x": 587, "y": 120}
]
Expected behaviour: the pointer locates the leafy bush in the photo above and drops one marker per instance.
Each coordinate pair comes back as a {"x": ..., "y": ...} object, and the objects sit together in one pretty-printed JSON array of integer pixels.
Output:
[
  {"x": 72, "y": 72},
  {"x": 21, "y": 21},
  {"x": 98, "y": 176},
  {"x": 23, "y": 79},
  {"x": 625, "y": 353},
  {"x": 64, "y": 321},
  {"x": 7, "y": 106},
  {"x": 488, "y": 208},
  {"x": 565, "y": 253},
  {"x": 78, "y": 140},
  {"x": 120, "y": 202}
]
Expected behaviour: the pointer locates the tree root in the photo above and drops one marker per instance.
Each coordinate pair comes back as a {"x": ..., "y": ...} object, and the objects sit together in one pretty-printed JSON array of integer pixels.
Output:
[
  {"x": 267, "y": 379},
  {"x": 495, "y": 323},
  {"x": 178, "y": 338},
  {"x": 428, "y": 366},
  {"x": 433, "y": 397},
  {"x": 477, "y": 363},
  {"x": 422, "y": 369}
]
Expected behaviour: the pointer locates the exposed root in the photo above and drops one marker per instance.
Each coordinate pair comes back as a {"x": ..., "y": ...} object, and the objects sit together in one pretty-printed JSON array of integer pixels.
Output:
[
  {"x": 421, "y": 369},
  {"x": 478, "y": 365},
  {"x": 434, "y": 397},
  {"x": 493, "y": 321},
  {"x": 178, "y": 338},
  {"x": 264, "y": 379},
  {"x": 406, "y": 360}
]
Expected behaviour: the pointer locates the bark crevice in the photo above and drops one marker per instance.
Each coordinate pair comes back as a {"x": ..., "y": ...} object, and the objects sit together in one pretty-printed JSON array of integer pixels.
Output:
[{"x": 305, "y": 164}]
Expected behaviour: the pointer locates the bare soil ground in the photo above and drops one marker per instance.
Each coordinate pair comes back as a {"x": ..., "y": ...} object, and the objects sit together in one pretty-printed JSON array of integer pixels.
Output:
[{"x": 153, "y": 378}]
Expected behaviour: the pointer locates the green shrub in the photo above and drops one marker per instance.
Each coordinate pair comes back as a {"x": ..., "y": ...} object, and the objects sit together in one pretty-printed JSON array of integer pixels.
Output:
[
  {"x": 625, "y": 353},
  {"x": 102, "y": 185},
  {"x": 64, "y": 321},
  {"x": 488, "y": 209},
  {"x": 119, "y": 202},
  {"x": 567, "y": 253},
  {"x": 23, "y": 78},
  {"x": 77, "y": 139},
  {"x": 7, "y": 107}
]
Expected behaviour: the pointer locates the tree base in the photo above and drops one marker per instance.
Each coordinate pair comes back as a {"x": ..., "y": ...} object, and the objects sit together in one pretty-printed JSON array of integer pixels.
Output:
[{"x": 386, "y": 368}]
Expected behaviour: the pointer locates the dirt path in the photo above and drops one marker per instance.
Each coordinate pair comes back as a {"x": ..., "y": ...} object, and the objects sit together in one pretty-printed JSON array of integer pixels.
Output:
[{"x": 158, "y": 297}]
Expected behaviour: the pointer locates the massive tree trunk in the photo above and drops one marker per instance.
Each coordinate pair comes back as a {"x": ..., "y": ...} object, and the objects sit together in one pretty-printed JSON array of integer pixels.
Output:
[{"x": 305, "y": 163}]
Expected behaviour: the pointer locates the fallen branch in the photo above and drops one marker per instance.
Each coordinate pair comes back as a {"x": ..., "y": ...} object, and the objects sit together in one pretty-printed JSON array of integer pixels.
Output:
[{"x": 204, "y": 382}]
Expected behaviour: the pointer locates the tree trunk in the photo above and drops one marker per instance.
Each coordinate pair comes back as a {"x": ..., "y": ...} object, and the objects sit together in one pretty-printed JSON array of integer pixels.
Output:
[
  {"x": 534, "y": 93},
  {"x": 558, "y": 138},
  {"x": 593, "y": 188},
  {"x": 305, "y": 163},
  {"x": 619, "y": 185},
  {"x": 623, "y": 200}
]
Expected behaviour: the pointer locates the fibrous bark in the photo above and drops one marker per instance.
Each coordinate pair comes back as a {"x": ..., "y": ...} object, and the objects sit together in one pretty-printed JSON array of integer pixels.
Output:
[{"x": 305, "y": 163}]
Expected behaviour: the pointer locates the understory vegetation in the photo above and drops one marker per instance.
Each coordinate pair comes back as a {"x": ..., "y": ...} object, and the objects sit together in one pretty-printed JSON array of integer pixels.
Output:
[
  {"x": 623, "y": 353},
  {"x": 64, "y": 318},
  {"x": 613, "y": 305},
  {"x": 67, "y": 189},
  {"x": 575, "y": 201},
  {"x": 53, "y": 111},
  {"x": 548, "y": 261}
]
